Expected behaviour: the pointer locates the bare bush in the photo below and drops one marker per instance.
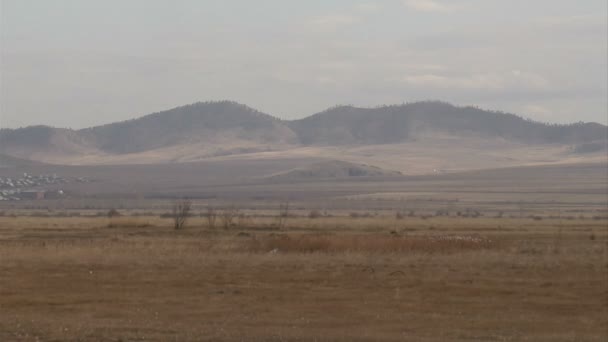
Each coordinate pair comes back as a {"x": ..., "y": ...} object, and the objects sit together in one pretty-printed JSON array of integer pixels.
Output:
[
  {"x": 283, "y": 214},
  {"x": 470, "y": 213},
  {"x": 211, "y": 216},
  {"x": 113, "y": 213},
  {"x": 228, "y": 215},
  {"x": 314, "y": 214},
  {"x": 442, "y": 212},
  {"x": 180, "y": 213}
]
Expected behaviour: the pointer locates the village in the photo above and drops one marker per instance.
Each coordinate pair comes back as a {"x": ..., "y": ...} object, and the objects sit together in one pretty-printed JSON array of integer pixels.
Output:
[{"x": 30, "y": 187}]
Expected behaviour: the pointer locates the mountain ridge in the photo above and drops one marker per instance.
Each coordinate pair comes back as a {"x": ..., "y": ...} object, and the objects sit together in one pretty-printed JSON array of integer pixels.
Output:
[{"x": 225, "y": 127}]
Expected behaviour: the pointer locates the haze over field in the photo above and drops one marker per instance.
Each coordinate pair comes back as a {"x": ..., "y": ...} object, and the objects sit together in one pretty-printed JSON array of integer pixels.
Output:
[
  {"x": 288, "y": 170},
  {"x": 80, "y": 79},
  {"x": 317, "y": 89}
]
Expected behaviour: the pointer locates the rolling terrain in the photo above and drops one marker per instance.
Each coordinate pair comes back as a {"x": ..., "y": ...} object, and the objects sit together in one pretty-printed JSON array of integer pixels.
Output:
[
  {"x": 394, "y": 226},
  {"x": 416, "y": 138}
]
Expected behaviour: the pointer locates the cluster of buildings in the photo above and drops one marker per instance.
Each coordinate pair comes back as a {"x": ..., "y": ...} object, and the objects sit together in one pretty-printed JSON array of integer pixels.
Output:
[{"x": 29, "y": 187}]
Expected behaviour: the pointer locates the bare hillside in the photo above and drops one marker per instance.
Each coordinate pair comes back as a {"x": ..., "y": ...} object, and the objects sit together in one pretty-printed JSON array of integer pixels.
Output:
[
  {"x": 46, "y": 144},
  {"x": 211, "y": 123},
  {"x": 201, "y": 129},
  {"x": 392, "y": 124},
  {"x": 419, "y": 136}
]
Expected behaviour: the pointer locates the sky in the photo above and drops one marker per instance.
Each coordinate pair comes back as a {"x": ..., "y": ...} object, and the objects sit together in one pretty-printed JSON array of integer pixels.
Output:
[{"x": 75, "y": 64}]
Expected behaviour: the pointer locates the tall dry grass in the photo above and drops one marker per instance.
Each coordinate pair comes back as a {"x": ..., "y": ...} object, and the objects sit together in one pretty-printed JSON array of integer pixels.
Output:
[{"x": 370, "y": 244}]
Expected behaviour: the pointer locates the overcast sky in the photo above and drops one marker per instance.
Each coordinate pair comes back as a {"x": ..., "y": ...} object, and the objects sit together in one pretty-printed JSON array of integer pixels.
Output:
[{"x": 81, "y": 63}]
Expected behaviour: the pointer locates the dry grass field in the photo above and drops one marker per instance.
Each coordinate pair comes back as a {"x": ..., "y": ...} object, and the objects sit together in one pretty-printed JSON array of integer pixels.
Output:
[{"x": 323, "y": 279}]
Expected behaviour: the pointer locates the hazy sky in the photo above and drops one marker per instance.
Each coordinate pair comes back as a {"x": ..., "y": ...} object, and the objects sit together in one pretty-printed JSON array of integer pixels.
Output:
[{"x": 79, "y": 63}]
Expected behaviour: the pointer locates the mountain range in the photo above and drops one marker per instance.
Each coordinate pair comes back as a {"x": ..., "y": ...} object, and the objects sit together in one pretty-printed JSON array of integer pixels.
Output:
[{"x": 227, "y": 129}]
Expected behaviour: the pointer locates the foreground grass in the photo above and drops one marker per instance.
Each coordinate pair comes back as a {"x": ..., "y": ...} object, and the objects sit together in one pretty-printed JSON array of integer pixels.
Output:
[{"x": 434, "y": 280}]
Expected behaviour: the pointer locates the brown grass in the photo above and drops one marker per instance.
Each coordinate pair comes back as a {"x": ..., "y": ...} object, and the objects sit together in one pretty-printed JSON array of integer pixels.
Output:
[
  {"x": 371, "y": 244},
  {"x": 129, "y": 222},
  {"x": 75, "y": 279}
]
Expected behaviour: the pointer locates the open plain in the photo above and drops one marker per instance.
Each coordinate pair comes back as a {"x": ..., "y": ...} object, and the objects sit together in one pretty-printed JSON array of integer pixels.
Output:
[
  {"x": 412, "y": 170},
  {"x": 134, "y": 278},
  {"x": 511, "y": 254}
]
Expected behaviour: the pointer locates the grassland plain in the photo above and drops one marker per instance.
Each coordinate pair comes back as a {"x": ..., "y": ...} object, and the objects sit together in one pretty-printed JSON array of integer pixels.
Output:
[{"x": 325, "y": 279}]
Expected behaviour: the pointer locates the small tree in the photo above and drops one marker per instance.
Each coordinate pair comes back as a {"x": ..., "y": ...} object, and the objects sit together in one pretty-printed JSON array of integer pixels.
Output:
[
  {"x": 211, "y": 217},
  {"x": 283, "y": 214},
  {"x": 113, "y": 213},
  {"x": 180, "y": 213},
  {"x": 228, "y": 215},
  {"x": 314, "y": 214}
]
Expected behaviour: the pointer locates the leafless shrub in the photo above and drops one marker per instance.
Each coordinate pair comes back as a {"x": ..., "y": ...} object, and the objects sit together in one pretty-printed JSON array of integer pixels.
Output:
[
  {"x": 245, "y": 220},
  {"x": 113, "y": 213},
  {"x": 180, "y": 213},
  {"x": 314, "y": 214},
  {"x": 470, "y": 213},
  {"x": 211, "y": 216},
  {"x": 283, "y": 214},
  {"x": 228, "y": 215},
  {"x": 442, "y": 212}
]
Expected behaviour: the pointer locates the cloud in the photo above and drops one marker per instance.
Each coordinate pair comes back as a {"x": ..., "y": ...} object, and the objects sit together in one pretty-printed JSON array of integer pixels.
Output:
[
  {"x": 573, "y": 20},
  {"x": 538, "y": 113},
  {"x": 367, "y": 7},
  {"x": 333, "y": 21},
  {"x": 514, "y": 79},
  {"x": 426, "y": 5}
]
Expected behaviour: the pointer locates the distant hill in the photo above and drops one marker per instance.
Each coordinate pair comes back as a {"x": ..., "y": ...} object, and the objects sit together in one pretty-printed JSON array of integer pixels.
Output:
[
  {"x": 225, "y": 125},
  {"x": 210, "y": 122},
  {"x": 224, "y": 128},
  {"x": 12, "y": 162},
  {"x": 392, "y": 124},
  {"x": 39, "y": 142},
  {"x": 332, "y": 169}
]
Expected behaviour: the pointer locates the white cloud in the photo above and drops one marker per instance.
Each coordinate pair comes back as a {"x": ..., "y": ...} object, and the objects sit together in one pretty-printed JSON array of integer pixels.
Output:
[
  {"x": 367, "y": 7},
  {"x": 333, "y": 21},
  {"x": 538, "y": 112},
  {"x": 574, "y": 20},
  {"x": 514, "y": 79},
  {"x": 426, "y": 5},
  {"x": 421, "y": 67},
  {"x": 357, "y": 50}
]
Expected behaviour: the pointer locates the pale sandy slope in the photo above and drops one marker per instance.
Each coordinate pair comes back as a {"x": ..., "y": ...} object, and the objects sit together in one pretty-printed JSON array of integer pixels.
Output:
[{"x": 436, "y": 154}]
